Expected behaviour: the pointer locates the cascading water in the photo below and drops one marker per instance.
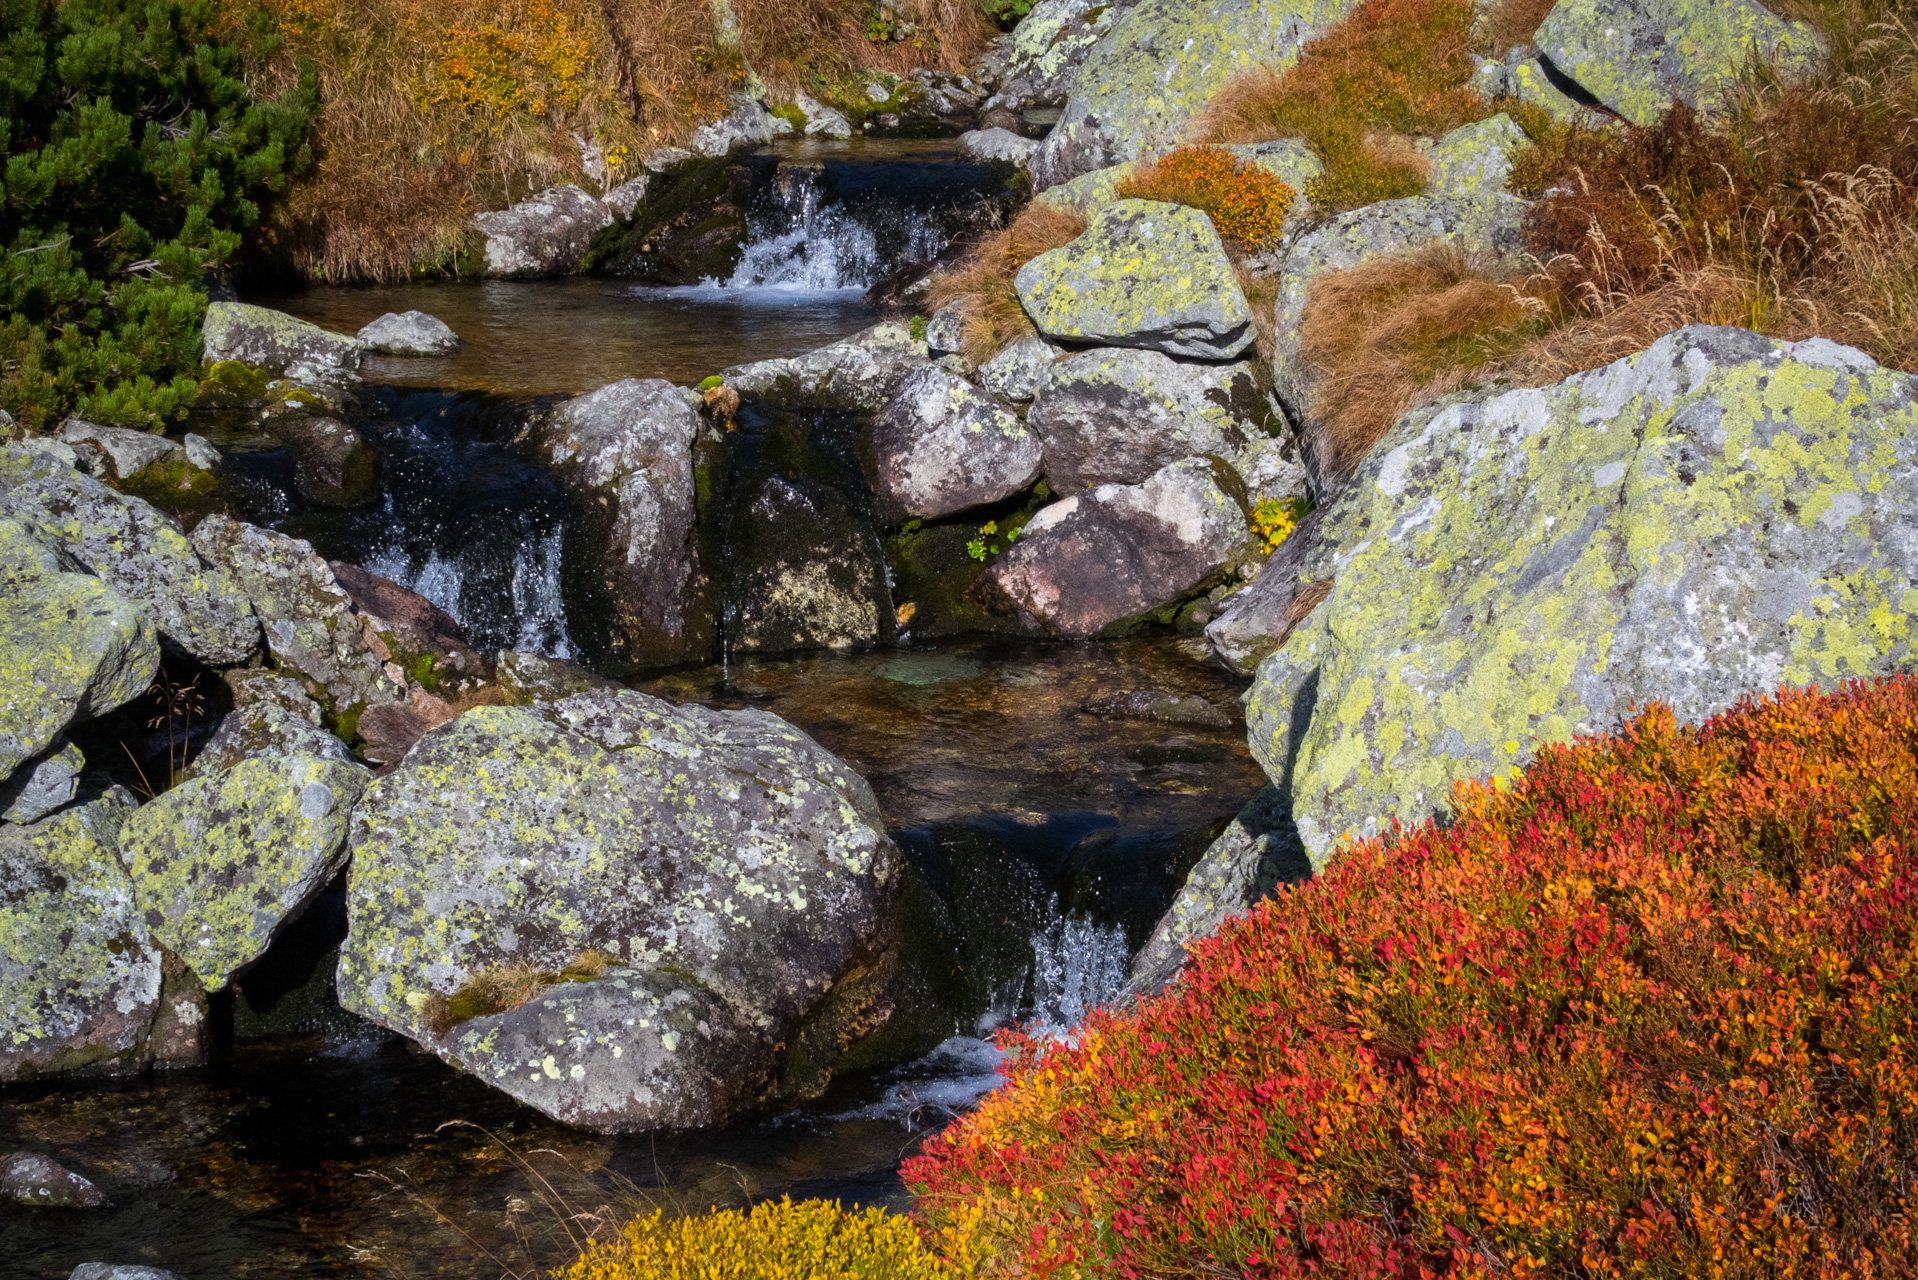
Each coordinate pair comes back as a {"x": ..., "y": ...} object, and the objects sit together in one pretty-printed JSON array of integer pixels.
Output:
[{"x": 802, "y": 239}]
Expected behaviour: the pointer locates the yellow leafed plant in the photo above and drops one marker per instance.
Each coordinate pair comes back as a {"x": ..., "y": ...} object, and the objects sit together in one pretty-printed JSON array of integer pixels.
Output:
[{"x": 810, "y": 1240}]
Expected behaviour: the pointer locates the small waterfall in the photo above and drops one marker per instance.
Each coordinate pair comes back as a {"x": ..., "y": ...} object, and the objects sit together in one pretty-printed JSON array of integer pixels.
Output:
[
  {"x": 802, "y": 239},
  {"x": 536, "y": 597},
  {"x": 1078, "y": 965}
]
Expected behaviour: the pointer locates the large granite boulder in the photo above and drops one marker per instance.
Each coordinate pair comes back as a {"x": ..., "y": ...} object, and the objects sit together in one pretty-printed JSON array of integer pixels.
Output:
[
  {"x": 221, "y": 863},
  {"x": 729, "y": 871},
  {"x": 1115, "y": 416},
  {"x": 279, "y": 344},
  {"x": 1639, "y": 56},
  {"x": 79, "y": 977},
  {"x": 941, "y": 447},
  {"x": 1048, "y": 45},
  {"x": 312, "y": 628},
  {"x": 1475, "y": 160},
  {"x": 546, "y": 234},
  {"x": 1141, "y": 88},
  {"x": 1713, "y": 517},
  {"x": 748, "y": 124},
  {"x": 1144, "y": 274},
  {"x": 134, "y": 548},
  {"x": 1103, "y": 558},
  {"x": 71, "y": 647},
  {"x": 630, "y": 445},
  {"x": 409, "y": 333},
  {"x": 859, "y": 374}
]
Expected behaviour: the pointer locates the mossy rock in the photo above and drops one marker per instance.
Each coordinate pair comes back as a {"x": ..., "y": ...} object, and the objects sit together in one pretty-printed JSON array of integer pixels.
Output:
[{"x": 691, "y": 225}]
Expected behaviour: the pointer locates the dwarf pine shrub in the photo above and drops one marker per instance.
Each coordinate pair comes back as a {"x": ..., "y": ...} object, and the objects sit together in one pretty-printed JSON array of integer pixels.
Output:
[
  {"x": 135, "y": 156},
  {"x": 811, "y": 1240},
  {"x": 1648, "y": 1010}
]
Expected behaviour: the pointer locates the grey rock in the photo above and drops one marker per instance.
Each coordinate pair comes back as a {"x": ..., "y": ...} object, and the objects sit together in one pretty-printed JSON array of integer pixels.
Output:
[
  {"x": 332, "y": 463},
  {"x": 1033, "y": 66},
  {"x": 129, "y": 452},
  {"x": 135, "y": 549},
  {"x": 1255, "y": 620},
  {"x": 42, "y": 786},
  {"x": 280, "y": 344},
  {"x": 1016, "y": 373},
  {"x": 409, "y": 333},
  {"x": 1258, "y": 852},
  {"x": 120, "y": 1271},
  {"x": 200, "y": 452},
  {"x": 312, "y": 628},
  {"x": 1103, "y": 558},
  {"x": 1161, "y": 706},
  {"x": 822, "y": 120},
  {"x": 859, "y": 374},
  {"x": 1475, "y": 160},
  {"x": 807, "y": 569},
  {"x": 996, "y": 146},
  {"x": 44, "y": 1183},
  {"x": 630, "y": 444},
  {"x": 1144, "y": 274},
  {"x": 71, "y": 647},
  {"x": 265, "y": 728},
  {"x": 735, "y": 872},
  {"x": 544, "y": 235},
  {"x": 942, "y": 447},
  {"x": 59, "y": 450},
  {"x": 1115, "y": 416},
  {"x": 254, "y": 685},
  {"x": 625, "y": 197},
  {"x": 527, "y": 678},
  {"x": 946, "y": 331},
  {"x": 79, "y": 982},
  {"x": 748, "y": 124}
]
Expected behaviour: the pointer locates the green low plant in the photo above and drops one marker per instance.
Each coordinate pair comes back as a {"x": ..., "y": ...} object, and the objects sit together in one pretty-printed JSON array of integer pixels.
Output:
[{"x": 135, "y": 156}]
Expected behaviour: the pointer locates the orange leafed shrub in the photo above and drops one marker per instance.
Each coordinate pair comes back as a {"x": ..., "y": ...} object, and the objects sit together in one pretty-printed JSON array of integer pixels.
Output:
[
  {"x": 1246, "y": 203},
  {"x": 1646, "y": 1011}
]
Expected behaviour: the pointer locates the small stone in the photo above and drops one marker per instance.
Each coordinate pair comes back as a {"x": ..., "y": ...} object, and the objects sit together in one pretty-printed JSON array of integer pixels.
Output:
[
  {"x": 1016, "y": 372},
  {"x": 822, "y": 120},
  {"x": 996, "y": 146},
  {"x": 409, "y": 333},
  {"x": 44, "y": 1183},
  {"x": 40, "y": 788},
  {"x": 200, "y": 452}
]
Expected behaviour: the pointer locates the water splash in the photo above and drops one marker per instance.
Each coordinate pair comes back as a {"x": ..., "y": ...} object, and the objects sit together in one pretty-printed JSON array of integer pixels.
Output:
[
  {"x": 537, "y": 599},
  {"x": 802, "y": 241}
]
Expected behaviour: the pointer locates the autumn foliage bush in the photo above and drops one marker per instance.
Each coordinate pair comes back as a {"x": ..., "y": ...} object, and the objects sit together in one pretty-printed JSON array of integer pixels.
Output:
[
  {"x": 1647, "y": 1010},
  {"x": 811, "y": 1240},
  {"x": 1245, "y": 202}
]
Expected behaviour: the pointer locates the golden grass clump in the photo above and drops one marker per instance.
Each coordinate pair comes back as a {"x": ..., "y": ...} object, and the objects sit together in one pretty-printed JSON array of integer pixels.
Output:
[
  {"x": 810, "y": 1240},
  {"x": 508, "y": 986},
  {"x": 982, "y": 284}
]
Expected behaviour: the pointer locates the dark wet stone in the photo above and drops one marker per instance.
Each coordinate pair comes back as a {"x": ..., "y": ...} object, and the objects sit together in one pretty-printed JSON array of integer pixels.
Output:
[{"x": 43, "y": 1182}]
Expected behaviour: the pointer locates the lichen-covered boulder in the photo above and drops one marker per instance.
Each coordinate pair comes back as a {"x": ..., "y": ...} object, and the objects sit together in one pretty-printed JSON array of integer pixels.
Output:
[
  {"x": 748, "y": 124},
  {"x": 1015, "y": 373},
  {"x": 42, "y": 786},
  {"x": 630, "y": 444},
  {"x": 1144, "y": 274},
  {"x": 546, "y": 234},
  {"x": 526, "y": 678},
  {"x": 1638, "y": 56},
  {"x": 1529, "y": 82},
  {"x": 142, "y": 460},
  {"x": 1046, "y": 48},
  {"x": 1115, "y": 416},
  {"x": 264, "y": 728},
  {"x": 409, "y": 629},
  {"x": 1100, "y": 559},
  {"x": 946, "y": 331},
  {"x": 1258, "y": 851},
  {"x": 1713, "y": 517},
  {"x": 221, "y": 863},
  {"x": 79, "y": 977},
  {"x": 41, "y": 1182},
  {"x": 1475, "y": 160},
  {"x": 941, "y": 447},
  {"x": 409, "y": 333},
  {"x": 1142, "y": 86},
  {"x": 138, "y": 550},
  {"x": 859, "y": 374},
  {"x": 71, "y": 647},
  {"x": 275, "y": 343},
  {"x": 311, "y": 626},
  {"x": 732, "y": 870}
]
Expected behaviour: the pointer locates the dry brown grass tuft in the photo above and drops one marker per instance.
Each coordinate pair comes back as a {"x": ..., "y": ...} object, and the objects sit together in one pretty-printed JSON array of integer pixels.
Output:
[
  {"x": 982, "y": 284},
  {"x": 1510, "y": 23},
  {"x": 508, "y": 986}
]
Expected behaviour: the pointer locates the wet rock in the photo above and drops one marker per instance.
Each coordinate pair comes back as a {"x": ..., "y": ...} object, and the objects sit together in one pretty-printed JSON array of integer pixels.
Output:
[
  {"x": 44, "y": 1183},
  {"x": 1140, "y": 88},
  {"x": 332, "y": 463},
  {"x": 996, "y": 146},
  {"x": 279, "y": 344},
  {"x": 137, "y": 458},
  {"x": 859, "y": 374},
  {"x": 630, "y": 445},
  {"x": 1639, "y": 56},
  {"x": 1103, "y": 558},
  {"x": 1159, "y": 705},
  {"x": 222, "y": 862},
  {"x": 409, "y": 333},
  {"x": 265, "y": 728},
  {"x": 120, "y": 1271},
  {"x": 311, "y": 626},
  {"x": 1016, "y": 372},
  {"x": 692, "y": 224},
  {"x": 1258, "y": 852},
  {"x": 200, "y": 452},
  {"x": 807, "y": 571},
  {"x": 732, "y": 870},
  {"x": 79, "y": 981},
  {"x": 135, "y": 549},
  {"x": 1716, "y": 516},
  {"x": 1115, "y": 416},
  {"x": 1144, "y": 274},
  {"x": 71, "y": 647},
  {"x": 528, "y": 678},
  {"x": 42, "y": 786},
  {"x": 942, "y": 447},
  {"x": 748, "y": 124},
  {"x": 822, "y": 120},
  {"x": 625, "y": 197},
  {"x": 413, "y": 631},
  {"x": 1476, "y": 160},
  {"x": 547, "y": 234}
]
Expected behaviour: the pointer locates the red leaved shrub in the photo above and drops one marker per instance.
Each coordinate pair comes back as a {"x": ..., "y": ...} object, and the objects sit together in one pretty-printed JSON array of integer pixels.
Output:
[{"x": 1646, "y": 1011}]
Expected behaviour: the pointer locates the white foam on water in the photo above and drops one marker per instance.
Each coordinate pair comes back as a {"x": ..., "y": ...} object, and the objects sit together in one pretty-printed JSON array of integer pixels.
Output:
[{"x": 536, "y": 597}]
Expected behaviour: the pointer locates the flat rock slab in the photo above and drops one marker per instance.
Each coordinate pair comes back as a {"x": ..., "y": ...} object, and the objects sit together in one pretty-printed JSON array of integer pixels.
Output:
[
  {"x": 41, "y": 1182},
  {"x": 262, "y": 338},
  {"x": 733, "y": 870},
  {"x": 1144, "y": 274}
]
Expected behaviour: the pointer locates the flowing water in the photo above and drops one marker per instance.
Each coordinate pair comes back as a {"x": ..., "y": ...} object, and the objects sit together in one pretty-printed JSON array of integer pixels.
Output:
[{"x": 1042, "y": 839}]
